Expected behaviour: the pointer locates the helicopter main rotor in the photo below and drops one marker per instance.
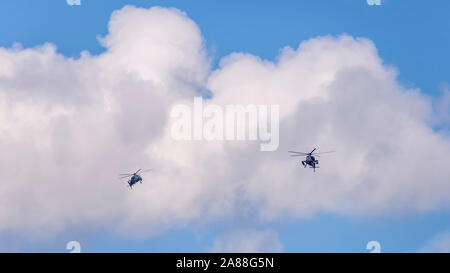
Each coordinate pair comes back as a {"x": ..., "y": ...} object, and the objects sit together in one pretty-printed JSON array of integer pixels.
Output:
[
  {"x": 126, "y": 175},
  {"x": 312, "y": 153}
]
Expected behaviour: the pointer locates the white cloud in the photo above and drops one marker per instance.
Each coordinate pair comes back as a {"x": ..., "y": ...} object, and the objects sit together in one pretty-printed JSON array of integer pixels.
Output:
[{"x": 69, "y": 126}]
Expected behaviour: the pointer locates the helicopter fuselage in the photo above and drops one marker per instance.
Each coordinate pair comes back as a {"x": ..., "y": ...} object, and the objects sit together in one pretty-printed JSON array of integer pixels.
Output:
[
  {"x": 134, "y": 179},
  {"x": 311, "y": 161}
]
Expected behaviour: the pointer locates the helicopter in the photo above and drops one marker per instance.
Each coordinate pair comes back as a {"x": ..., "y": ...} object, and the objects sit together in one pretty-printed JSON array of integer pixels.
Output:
[
  {"x": 310, "y": 158},
  {"x": 134, "y": 177}
]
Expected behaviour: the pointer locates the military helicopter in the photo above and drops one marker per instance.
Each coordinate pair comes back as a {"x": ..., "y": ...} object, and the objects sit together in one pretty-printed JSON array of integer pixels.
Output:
[
  {"x": 135, "y": 177},
  {"x": 310, "y": 158}
]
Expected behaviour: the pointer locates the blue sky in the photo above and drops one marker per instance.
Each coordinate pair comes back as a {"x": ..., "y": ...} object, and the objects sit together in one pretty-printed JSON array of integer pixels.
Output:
[{"x": 412, "y": 36}]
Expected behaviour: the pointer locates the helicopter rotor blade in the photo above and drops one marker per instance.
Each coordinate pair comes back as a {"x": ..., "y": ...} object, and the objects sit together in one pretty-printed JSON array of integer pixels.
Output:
[
  {"x": 301, "y": 153},
  {"x": 125, "y": 175},
  {"x": 324, "y": 153},
  {"x": 312, "y": 151},
  {"x": 297, "y": 155}
]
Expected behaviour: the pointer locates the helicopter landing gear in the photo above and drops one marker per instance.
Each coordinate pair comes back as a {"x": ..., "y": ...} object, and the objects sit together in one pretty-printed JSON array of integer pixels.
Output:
[{"x": 304, "y": 164}]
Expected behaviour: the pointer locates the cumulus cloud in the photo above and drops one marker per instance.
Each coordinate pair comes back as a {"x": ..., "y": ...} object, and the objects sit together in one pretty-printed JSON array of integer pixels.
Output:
[{"x": 69, "y": 126}]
